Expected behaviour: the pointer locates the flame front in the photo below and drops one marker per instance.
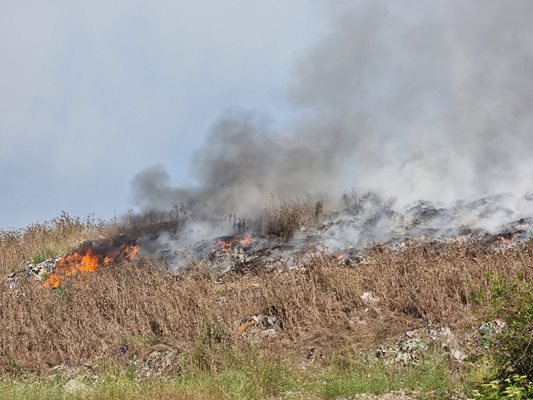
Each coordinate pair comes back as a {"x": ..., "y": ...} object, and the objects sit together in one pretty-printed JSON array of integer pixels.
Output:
[
  {"x": 245, "y": 240},
  {"x": 131, "y": 252},
  {"x": 226, "y": 245},
  {"x": 340, "y": 256},
  {"x": 86, "y": 262},
  {"x": 68, "y": 265}
]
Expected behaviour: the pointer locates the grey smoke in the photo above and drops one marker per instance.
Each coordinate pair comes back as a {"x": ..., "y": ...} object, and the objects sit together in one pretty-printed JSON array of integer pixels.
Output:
[{"x": 413, "y": 100}]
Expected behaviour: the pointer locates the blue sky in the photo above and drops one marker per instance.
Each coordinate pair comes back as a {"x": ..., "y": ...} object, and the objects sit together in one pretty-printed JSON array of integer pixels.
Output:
[{"x": 93, "y": 92}]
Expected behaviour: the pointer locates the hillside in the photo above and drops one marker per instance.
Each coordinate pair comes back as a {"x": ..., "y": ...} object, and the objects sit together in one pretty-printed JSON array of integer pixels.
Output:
[{"x": 265, "y": 313}]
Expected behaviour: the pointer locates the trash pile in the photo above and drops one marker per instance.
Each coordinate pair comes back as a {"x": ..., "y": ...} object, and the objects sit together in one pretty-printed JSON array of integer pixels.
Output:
[
  {"x": 410, "y": 348},
  {"x": 37, "y": 271},
  {"x": 231, "y": 253},
  {"x": 88, "y": 257},
  {"x": 498, "y": 222}
]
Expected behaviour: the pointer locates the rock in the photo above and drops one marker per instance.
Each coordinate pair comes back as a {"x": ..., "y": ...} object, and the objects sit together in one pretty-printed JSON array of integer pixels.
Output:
[
  {"x": 158, "y": 363},
  {"x": 267, "y": 333},
  {"x": 75, "y": 387},
  {"x": 369, "y": 298}
]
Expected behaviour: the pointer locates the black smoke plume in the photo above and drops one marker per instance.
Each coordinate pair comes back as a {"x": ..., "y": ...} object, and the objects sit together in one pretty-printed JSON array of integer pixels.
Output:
[{"x": 413, "y": 100}]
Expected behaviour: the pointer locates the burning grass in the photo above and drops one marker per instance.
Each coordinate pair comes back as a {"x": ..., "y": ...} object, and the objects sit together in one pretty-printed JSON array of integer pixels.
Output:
[
  {"x": 60, "y": 236},
  {"x": 226, "y": 244},
  {"x": 82, "y": 261},
  {"x": 318, "y": 304},
  {"x": 40, "y": 241}
]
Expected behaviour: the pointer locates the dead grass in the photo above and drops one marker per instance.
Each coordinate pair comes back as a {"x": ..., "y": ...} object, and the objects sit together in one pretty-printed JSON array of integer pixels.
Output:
[
  {"x": 437, "y": 282},
  {"x": 319, "y": 305},
  {"x": 40, "y": 241},
  {"x": 43, "y": 240},
  {"x": 282, "y": 219}
]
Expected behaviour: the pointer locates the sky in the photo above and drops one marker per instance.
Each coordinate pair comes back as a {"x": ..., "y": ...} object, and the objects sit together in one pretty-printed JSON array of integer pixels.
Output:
[
  {"x": 93, "y": 92},
  {"x": 225, "y": 103}
]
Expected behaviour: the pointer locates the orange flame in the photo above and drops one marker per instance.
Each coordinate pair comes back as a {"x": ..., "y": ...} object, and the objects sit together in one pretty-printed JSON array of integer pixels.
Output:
[
  {"x": 70, "y": 264},
  {"x": 86, "y": 262},
  {"x": 226, "y": 245},
  {"x": 340, "y": 256},
  {"x": 245, "y": 240},
  {"x": 131, "y": 252}
]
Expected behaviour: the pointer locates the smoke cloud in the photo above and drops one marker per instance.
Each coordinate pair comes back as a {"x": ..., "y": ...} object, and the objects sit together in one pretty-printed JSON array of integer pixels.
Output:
[{"x": 413, "y": 100}]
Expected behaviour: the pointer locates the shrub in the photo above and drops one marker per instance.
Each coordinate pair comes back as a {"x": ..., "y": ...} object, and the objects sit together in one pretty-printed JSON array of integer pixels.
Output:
[
  {"x": 514, "y": 387},
  {"x": 514, "y": 347},
  {"x": 284, "y": 219}
]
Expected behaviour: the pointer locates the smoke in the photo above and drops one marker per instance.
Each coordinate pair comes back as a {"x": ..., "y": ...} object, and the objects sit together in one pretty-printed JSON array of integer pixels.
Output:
[{"x": 413, "y": 100}]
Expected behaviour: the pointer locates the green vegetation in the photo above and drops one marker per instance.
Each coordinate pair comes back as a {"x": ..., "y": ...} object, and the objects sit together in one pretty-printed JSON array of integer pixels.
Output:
[
  {"x": 248, "y": 377},
  {"x": 431, "y": 376},
  {"x": 44, "y": 255},
  {"x": 513, "y": 348},
  {"x": 510, "y": 354},
  {"x": 514, "y": 387}
]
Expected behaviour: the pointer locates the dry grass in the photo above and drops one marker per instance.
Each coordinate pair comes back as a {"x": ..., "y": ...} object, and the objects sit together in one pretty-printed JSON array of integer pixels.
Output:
[
  {"x": 43, "y": 240},
  {"x": 446, "y": 283},
  {"x": 61, "y": 235},
  {"x": 282, "y": 219},
  {"x": 319, "y": 305}
]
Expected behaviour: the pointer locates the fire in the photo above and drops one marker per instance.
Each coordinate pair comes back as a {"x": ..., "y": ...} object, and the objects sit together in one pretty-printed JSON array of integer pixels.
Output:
[
  {"x": 131, "y": 252},
  {"x": 245, "y": 240},
  {"x": 68, "y": 265},
  {"x": 89, "y": 262},
  {"x": 226, "y": 244},
  {"x": 86, "y": 262},
  {"x": 340, "y": 256},
  {"x": 507, "y": 239}
]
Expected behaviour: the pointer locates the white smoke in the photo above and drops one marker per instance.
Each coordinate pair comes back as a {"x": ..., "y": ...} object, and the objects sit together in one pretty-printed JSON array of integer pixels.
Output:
[{"x": 412, "y": 100}]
